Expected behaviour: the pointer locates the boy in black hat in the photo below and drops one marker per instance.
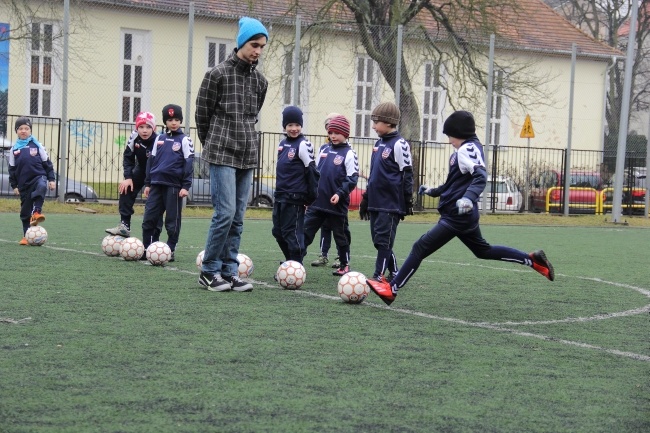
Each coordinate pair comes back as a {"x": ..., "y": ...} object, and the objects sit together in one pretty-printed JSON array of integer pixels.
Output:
[
  {"x": 389, "y": 195},
  {"x": 31, "y": 173},
  {"x": 168, "y": 179},
  {"x": 459, "y": 216},
  {"x": 296, "y": 185}
]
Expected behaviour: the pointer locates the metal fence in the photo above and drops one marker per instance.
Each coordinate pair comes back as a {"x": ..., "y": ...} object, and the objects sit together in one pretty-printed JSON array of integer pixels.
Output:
[{"x": 95, "y": 158}]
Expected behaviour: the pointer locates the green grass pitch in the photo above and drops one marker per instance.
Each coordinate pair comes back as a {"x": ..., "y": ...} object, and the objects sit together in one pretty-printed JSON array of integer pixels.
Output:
[{"x": 90, "y": 343}]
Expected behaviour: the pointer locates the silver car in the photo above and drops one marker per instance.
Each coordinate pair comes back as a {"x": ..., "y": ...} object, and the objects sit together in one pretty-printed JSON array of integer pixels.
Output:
[
  {"x": 261, "y": 195},
  {"x": 75, "y": 192},
  {"x": 507, "y": 197}
]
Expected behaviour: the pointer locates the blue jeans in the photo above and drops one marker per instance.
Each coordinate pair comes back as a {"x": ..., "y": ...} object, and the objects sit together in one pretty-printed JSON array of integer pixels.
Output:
[{"x": 229, "y": 188}]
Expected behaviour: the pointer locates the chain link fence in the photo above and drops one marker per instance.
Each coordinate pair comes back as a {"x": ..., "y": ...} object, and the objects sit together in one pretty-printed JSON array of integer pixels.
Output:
[{"x": 127, "y": 56}]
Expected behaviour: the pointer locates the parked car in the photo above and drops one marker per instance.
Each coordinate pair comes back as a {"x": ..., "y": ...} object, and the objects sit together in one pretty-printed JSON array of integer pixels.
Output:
[
  {"x": 584, "y": 188},
  {"x": 75, "y": 191},
  {"x": 634, "y": 184},
  {"x": 355, "y": 196},
  {"x": 261, "y": 195},
  {"x": 506, "y": 198}
]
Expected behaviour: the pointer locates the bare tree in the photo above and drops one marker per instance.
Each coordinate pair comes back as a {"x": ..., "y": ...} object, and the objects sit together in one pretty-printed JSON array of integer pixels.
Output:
[
  {"x": 608, "y": 21},
  {"x": 455, "y": 33}
]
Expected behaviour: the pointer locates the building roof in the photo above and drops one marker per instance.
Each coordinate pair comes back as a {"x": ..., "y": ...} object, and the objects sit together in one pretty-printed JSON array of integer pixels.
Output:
[{"x": 534, "y": 27}]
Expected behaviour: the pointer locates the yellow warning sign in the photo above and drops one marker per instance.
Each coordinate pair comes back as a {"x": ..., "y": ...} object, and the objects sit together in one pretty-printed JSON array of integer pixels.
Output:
[{"x": 527, "y": 129}]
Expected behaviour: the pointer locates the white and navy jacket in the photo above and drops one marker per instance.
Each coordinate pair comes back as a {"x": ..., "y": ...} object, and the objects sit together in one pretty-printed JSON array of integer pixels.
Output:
[
  {"x": 172, "y": 161},
  {"x": 390, "y": 184}
]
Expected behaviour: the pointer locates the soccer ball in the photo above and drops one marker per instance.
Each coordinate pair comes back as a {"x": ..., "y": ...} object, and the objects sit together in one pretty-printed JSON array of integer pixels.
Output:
[
  {"x": 199, "y": 260},
  {"x": 291, "y": 275},
  {"x": 111, "y": 245},
  {"x": 353, "y": 288},
  {"x": 132, "y": 249},
  {"x": 158, "y": 253},
  {"x": 36, "y": 236},
  {"x": 245, "y": 266}
]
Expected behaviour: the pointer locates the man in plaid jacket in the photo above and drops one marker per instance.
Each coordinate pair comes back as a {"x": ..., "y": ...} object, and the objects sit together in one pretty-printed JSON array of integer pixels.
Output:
[{"x": 229, "y": 100}]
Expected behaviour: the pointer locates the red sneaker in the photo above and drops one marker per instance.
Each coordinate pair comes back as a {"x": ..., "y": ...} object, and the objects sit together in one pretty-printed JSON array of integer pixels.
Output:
[
  {"x": 382, "y": 288},
  {"x": 341, "y": 271},
  {"x": 23, "y": 241},
  {"x": 37, "y": 218},
  {"x": 542, "y": 265}
]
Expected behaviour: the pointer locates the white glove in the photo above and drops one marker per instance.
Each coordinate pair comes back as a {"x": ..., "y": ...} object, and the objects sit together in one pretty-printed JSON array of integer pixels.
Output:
[{"x": 464, "y": 205}]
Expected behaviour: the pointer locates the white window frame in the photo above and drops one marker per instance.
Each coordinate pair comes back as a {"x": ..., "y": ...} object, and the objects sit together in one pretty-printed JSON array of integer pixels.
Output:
[
  {"x": 44, "y": 51},
  {"x": 499, "y": 116},
  {"x": 433, "y": 117},
  {"x": 221, "y": 47},
  {"x": 364, "y": 102},
  {"x": 140, "y": 54},
  {"x": 287, "y": 82}
]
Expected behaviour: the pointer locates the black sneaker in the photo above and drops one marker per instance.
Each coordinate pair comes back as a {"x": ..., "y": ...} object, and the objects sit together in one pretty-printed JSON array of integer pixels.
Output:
[
  {"x": 172, "y": 259},
  {"x": 237, "y": 284},
  {"x": 214, "y": 283}
]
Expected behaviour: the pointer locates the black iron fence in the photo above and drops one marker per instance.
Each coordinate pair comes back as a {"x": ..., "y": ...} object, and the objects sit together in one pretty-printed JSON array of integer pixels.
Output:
[{"x": 94, "y": 157}]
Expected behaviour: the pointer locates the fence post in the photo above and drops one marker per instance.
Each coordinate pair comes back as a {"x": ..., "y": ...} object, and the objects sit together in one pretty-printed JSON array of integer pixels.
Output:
[
  {"x": 63, "y": 150},
  {"x": 567, "y": 160},
  {"x": 488, "y": 116}
]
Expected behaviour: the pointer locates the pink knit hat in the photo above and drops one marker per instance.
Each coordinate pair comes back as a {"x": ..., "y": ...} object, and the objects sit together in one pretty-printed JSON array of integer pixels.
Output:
[{"x": 145, "y": 118}]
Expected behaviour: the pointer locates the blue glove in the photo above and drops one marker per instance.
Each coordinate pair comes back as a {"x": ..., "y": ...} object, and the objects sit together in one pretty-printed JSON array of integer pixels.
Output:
[
  {"x": 464, "y": 205},
  {"x": 422, "y": 190}
]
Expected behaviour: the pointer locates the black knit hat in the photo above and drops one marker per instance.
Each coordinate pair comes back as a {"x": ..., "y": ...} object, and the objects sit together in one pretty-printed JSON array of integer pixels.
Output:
[
  {"x": 172, "y": 111},
  {"x": 386, "y": 112},
  {"x": 460, "y": 124},
  {"x": 23, "y": 121},
  {"x": 291, "y": 114}
]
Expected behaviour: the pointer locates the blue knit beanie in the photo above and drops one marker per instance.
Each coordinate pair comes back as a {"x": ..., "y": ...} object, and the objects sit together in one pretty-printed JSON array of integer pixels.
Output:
[
  {"x": 249, "y": 27},
  {"x": 291, "y": 114}
]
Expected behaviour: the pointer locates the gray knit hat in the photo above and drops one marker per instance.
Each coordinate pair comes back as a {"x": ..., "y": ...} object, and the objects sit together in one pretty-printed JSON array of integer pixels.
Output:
[{"x": 386, "y": 112}]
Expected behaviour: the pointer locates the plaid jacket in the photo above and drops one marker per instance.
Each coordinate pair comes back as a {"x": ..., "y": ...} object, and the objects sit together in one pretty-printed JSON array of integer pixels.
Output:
[{"x": 230, "y": 97}]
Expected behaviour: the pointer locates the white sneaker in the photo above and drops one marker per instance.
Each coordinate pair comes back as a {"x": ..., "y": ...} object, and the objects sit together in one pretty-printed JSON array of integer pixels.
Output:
[{"x": 120, "y": 230}]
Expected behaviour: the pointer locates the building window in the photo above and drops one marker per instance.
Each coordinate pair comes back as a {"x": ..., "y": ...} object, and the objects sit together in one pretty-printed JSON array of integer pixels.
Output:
[
  {"x": 433, "y": 103},
  {"x": 135, "y": 49},
  {"x": 498, "y": 117},
  {"x": 41, "y": 77},
  {"x": 217, "y": 51},
  {"x": 287, "y": 81},
  {"x": 367, "y": 95}
]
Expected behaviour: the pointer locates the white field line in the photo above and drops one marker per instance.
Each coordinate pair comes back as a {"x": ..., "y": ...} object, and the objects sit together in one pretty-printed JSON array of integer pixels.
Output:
[{"x": 499, "y": 327}]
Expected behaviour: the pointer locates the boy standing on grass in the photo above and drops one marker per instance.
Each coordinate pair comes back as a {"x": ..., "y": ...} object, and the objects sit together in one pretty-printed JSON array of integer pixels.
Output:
[
  {"x": 134, "y": 163},
  {"x": 31, "y": 173},
  {"x": 326, "y": 232},
  {"x": 389, "y": 194},
  {"x": 339, "y": 172},
  {"x": 168, "y": 179},
  {"x": 459, "y": 216},
  {"x": 296, "y": 186}
]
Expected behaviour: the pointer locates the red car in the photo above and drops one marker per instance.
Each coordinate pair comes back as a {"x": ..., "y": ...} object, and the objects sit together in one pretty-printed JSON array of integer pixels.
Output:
[{"x": 355, "y": 197}]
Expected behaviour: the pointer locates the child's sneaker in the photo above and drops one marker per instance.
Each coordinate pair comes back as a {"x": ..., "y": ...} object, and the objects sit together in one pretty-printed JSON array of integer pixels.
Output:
[
  {"x": 23, "y": 241},
  {"x": 237, "y": 284},
  {"x": 320, "y": 261},
  {"x": 342, "y": 270},
  {"x": 214, "y": 283},
  {"x": 120, "y": 230},
  {"x": 172, "y": 259},
  {"x": 542, "y": 265},
  {"x": 337, "y": 263},
  {"x": 36, "y": 219},
  {"x": 383, "y": 289}
]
